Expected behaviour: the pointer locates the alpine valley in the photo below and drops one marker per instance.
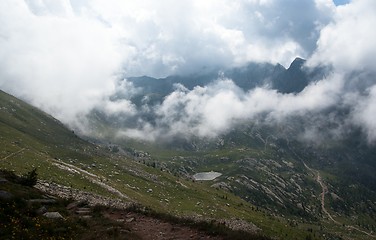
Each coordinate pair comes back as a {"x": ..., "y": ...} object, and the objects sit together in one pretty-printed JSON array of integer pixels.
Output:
[{"x": 309, "y": 175}]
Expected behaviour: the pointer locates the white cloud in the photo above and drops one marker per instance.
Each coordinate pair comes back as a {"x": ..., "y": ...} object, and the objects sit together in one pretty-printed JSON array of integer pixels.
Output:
[
  {"x": 348, "y": 41},
  {"x": 64, "y": 56},
  {"x": 67, "y": 57},
  {"x": 214, "y": 109},
  {"x": 169, "y": 37},
  {"x": 62, "y": 64},
  {"x": 365, "y": 112}
]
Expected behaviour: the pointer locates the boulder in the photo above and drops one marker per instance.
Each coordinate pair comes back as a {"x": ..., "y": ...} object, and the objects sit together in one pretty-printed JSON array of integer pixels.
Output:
[{"x": 53, "y": 215}]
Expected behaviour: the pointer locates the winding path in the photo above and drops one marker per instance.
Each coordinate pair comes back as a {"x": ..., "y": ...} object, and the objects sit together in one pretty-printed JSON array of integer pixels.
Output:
[
  {"x": 325, "y": 191},
  {"x": 13, "y": 154},
  {"x": 88, "y": 175}
]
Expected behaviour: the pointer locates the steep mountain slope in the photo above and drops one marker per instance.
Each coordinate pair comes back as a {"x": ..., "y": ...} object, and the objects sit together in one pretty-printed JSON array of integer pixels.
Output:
[
  {"x": 30, "y": 138},
  {"x": 67, "y": 164}
]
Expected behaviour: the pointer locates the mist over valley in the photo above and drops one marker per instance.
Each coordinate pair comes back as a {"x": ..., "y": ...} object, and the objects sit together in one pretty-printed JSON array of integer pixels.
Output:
[{"x": 226, "y": 117}]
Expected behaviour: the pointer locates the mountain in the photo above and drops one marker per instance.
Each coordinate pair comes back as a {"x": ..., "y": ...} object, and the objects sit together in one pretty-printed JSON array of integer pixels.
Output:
[
  {"x": 327, "y": 177},
  {"x": 279, "y": 177},
  {"x": 294, "y": 79},
  {"x": 291, "y": 80},
  {"x": 71, "y": 167},
  {"x": 265, "y": 173}
]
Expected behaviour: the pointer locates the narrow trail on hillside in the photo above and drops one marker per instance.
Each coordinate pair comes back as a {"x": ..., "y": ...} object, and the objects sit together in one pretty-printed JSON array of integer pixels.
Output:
[
  {"x": 98, "y": 180},
  {"x": 13, "y": 154},
  {"x": 90, "y": 176},
  {"x": 323, "y": 193},
  {"x": 324, "y": 188}
]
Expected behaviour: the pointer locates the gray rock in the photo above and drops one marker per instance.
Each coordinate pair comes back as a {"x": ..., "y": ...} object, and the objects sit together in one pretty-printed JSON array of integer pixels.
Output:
[
  {"x": 53, "y": 215},
  {"x": 42, "y": 210}
]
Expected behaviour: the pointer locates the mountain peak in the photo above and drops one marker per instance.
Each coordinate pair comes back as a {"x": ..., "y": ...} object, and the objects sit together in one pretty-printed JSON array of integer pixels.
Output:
[{"x": 297, "y": 63}]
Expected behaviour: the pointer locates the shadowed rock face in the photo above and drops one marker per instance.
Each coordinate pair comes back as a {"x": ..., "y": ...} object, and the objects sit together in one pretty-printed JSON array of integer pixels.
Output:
[{"x": 294, "y": 79}]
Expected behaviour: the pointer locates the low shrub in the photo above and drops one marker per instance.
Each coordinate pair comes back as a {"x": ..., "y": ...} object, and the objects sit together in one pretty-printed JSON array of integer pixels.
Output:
[{"x": 30, "y": 178}]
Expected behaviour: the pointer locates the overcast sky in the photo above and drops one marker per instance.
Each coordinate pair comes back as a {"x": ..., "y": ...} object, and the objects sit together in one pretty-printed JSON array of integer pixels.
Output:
[{"x": 67, "y": 56}]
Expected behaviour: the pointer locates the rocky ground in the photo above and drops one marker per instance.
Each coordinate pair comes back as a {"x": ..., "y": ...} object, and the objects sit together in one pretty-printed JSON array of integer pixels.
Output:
[
  {"x": 139, "y": 224},
  {"x": 145, "y": 227}
]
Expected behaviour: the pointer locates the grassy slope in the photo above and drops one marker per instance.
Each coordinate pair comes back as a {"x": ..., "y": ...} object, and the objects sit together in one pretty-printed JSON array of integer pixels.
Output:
[{"x": 30, "y": 138}]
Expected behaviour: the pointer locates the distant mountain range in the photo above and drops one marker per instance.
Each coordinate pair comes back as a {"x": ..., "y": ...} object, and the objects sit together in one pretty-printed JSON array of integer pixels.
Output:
[{"x": 291, "y": 80}]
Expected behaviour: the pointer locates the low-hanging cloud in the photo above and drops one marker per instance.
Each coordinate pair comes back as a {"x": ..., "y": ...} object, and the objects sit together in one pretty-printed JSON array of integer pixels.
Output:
[
  {"x": 365, "y": 112},
  {"x": 67, "y": 57},
  {"x": 214, "y": 109},
  {"x": 211, "y": 110},
  {"x": 61, "y": 63},
  {"x": 346, "y": 44},
  {"x": 347, "y": 41}
]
